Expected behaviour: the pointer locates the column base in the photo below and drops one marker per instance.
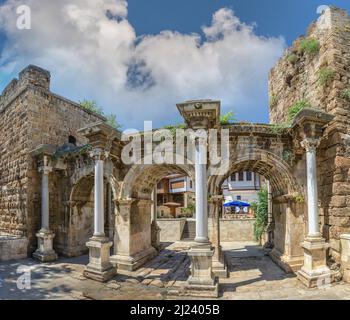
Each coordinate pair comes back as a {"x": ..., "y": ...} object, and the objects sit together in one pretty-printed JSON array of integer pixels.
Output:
[
  {"x": 45, "y": 252},
  {"x": 99, "y": 267},
  {"x": 202, "y": 282},
  {"x": 315, "y": 272},
  {"x": 132, "y": 263}
]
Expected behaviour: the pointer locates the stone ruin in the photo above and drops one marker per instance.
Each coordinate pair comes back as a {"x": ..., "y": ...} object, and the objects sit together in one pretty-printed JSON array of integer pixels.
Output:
[{"x": 59, "y": 161}]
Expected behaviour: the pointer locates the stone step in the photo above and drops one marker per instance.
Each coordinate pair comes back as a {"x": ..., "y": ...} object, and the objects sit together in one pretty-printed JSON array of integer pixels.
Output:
[{"x": 189, "y": 231}]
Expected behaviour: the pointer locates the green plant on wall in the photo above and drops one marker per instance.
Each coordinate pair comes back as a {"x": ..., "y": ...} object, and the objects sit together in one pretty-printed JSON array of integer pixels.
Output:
[
  {"x": 325, "y": 76},
  {"x": 227, "y": 118},
  {"x": 310, "y": 46},
  {"x": 292, "y": 58},
  {"x": 346, "y": 94},
  {"x": 296, "y": 108},
  {"x": 174, "y": 127},
  {"x": 273, "y": 100},
  {"x": 91, "y": 105},
  {"x": 278, "y": 129},
  {"x": 261, "y": 213},
  {"x": 299, "y": 198}
]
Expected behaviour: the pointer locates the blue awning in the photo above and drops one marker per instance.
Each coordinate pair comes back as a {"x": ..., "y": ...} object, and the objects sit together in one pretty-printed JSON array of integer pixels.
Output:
[{"x": 236, "y": 204}]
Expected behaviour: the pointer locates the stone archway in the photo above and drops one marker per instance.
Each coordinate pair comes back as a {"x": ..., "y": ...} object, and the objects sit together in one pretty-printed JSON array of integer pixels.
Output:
[
  {"x": 287, "y": 208},
  {"x": 81, "y": 210},
  {"x": 134, "y": 206}
]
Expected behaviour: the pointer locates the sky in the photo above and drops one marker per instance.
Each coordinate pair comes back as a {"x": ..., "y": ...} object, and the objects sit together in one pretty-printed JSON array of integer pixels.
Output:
[{"x": 139, "y": 58}]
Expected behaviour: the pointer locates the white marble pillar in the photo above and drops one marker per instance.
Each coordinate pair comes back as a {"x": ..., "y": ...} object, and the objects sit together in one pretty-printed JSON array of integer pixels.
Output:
[
  {"x": 201, "y": 195},
  {"x": 45, "y": 170},
  {"x": 310, "y": 146},
  {"x": 45, "y": 251},
  {"x": 99, "y": 267},
  {"x": 314, "y": 272},
  {"x": 99, "y": 200}
]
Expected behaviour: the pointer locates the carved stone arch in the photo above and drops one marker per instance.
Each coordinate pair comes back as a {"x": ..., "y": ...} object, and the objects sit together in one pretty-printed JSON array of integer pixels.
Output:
[
  {"x": 265, "y": 163},
  {"x": 139, "y": 181},
  {"x": 88, "y": 172}
]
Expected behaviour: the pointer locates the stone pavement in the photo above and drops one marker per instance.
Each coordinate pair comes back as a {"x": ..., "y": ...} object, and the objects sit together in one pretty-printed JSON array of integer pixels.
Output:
[{"x": 252, "y": 276}]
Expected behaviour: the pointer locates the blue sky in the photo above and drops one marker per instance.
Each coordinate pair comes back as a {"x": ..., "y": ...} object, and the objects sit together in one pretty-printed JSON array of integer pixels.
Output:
[
  {"x": 288, "y": 18},
  {"x": 145, "y": 82}
]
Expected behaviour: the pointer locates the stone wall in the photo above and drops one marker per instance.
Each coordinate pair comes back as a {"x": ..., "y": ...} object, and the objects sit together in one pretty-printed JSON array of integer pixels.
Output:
[
  {"x": 298, "y": 77},
  {"x": 171, "y": 229},
  {"x": 13, "y": 247},
  {"x": 235, "y": 230},
  {"x": 31, "y": 115}
]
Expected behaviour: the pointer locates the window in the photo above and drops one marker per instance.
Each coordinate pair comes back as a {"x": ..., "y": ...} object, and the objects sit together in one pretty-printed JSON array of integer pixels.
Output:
[
  {"x": 159, "y": 185},
  {"x": 239, "y": 198},
  {"x": 240, "y": 176},
  {"x": 177, "y": 185},
  {"x": 72, "y": 140},
  {"x": 249, "y": 176},
  {"x": 233, "y": 177},
  {"x": 191, "y": 184}
]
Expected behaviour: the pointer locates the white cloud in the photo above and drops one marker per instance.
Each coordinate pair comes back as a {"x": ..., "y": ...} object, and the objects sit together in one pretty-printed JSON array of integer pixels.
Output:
[{"x": 92, "y": 51}]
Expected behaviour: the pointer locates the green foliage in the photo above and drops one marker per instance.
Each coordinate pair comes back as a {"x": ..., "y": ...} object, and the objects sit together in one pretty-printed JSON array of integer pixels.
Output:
[
  {"x": 309, "y": 46},
  {"x": 112, "y": 121},
  {"x": 325, "y": 76},
  {"x": 261, "y": 214},
  {"x": 292, "y": 58},
  {"x": 227, "y": 118},
  {"x": 296, "y": 108},
  {"x": 346, "y": 94},
  {"x": 299, "y": 198},
  {"x": 190, "y": 209},
  {"x": 278, "y": 129},
  {"x": 273, "y": 100},
  {"x": 92, "y": 106},
  {"x": 173, "y": 128}
]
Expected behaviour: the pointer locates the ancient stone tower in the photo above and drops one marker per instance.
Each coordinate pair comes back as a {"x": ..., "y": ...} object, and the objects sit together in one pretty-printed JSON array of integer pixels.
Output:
[{"x": 315, "y": 72}]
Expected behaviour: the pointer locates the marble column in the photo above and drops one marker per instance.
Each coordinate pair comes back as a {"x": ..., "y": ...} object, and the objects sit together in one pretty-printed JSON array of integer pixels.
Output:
[
  {"x": 201, "y": 196},
  {"x": 99, "y": 267},
  {"x": 202, "y": 281},
  {"x": 314, "y": 271},
  {"x": 45, "y": 251},
  {"x": 219, "y": 262},
  {"x": 155, "y": 230}
]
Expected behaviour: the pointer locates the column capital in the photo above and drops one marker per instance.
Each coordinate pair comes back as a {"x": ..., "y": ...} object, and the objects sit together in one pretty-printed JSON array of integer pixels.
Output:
[
  {"x": 310, "y": 144},
  {"x": 98, "y": 154},
  {"x": 45, "y": 169}
]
